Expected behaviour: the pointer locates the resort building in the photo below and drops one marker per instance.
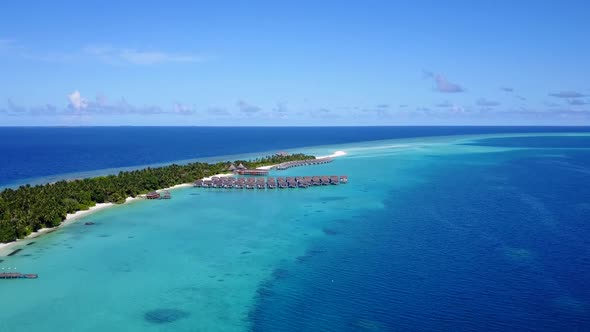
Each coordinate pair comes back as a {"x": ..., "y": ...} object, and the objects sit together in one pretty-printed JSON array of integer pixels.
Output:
[{"x": 153, "y": 195}]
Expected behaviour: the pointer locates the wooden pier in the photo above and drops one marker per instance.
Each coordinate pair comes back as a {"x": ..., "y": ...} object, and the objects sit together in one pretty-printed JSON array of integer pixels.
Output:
[
  {"x": 255, "y": 172},
  {"x": 16, "y": 275},
  {"x": 307, "y": 162},
  {"x": 271, "y": 182}
]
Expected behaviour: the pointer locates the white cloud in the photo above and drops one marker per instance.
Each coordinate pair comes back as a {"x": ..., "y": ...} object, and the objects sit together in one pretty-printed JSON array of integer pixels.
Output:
[
  {"x": 182, "y": 109},
  {"x": 77, "y": 102},
  {"x": 442, "y": 84},
  {"x": 109, "y": 54},
  {"x": 247, "y": 108}
]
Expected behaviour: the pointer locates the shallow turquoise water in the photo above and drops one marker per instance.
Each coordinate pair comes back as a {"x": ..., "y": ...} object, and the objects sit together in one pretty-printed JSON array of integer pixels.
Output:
[{"x": 203, "y": 260}]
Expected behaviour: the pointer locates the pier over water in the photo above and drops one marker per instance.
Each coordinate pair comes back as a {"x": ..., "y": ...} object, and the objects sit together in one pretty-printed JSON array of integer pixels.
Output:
[
  {"x": 306, "y": 162},
  {"x": 271, "y": 182},
  {"x": 16, "y": 275}
]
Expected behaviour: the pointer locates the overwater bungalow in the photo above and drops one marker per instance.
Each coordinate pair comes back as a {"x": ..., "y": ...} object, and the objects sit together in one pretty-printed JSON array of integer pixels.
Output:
[
  {"x": 334, "y": 179},
  {"x": 263, "y": 183},
  {"x": 316, "y": 181}
]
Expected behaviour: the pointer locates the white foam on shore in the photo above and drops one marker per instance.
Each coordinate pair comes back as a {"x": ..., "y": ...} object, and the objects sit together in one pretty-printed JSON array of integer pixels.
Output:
[{"x": 334, "y": 155}]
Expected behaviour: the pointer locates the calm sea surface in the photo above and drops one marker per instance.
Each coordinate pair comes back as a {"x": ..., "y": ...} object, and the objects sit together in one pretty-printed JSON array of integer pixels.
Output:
[
  {"x": 470, "y": 233},
  {"x": 38, "y": 155}
]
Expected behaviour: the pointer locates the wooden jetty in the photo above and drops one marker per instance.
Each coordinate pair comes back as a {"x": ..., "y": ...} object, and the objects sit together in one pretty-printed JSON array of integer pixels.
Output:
[
  {"x": 306, "y": 162},
  {"x": 255, "y": 172},
  {"x": 16, "y": 275},
  {"x": 251, "y": 183}
]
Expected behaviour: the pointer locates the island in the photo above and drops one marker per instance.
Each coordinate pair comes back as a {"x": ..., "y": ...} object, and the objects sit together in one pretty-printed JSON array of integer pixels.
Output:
[{"x": 29, "y": 208}]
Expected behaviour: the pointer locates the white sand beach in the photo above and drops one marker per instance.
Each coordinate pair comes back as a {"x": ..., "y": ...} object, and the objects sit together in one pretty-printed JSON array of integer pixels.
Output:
[
  {"x": 222, "y": 175},
  {"x": 72, "y": 217}
]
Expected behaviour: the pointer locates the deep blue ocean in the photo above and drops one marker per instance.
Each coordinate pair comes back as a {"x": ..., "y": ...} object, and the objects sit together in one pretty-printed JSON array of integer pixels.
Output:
[
  {"x": 474, "y": 233},
  {"x": 493, "y": 242},
  {"x": 30, "y": 154}
]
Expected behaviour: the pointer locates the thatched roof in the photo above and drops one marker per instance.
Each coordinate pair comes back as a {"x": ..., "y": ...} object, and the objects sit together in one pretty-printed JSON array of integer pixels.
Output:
[
  {"x": 232, "y": 167},
  {"x": 241, "y": 166}
]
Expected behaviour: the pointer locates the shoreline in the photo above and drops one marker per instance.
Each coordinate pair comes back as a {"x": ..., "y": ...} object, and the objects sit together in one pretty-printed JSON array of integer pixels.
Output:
[{"x": 73, "y": 217}]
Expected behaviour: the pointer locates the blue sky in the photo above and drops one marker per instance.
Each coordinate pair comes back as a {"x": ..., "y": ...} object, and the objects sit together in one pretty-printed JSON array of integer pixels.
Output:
[{"x": 295, "y": 63}]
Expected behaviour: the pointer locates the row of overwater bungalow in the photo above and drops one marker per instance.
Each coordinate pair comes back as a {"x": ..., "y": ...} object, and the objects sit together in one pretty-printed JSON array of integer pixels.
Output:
[
  {"x": 307, "y": 162},
  {"x": 271, "y": 182}
]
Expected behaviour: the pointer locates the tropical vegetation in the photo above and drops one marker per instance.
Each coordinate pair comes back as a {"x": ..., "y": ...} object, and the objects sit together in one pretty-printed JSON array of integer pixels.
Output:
[{"x": 30, "y": 208}]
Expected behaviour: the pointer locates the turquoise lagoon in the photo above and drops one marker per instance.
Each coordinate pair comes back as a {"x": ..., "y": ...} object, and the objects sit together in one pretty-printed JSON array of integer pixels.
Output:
[{"x": 273, "y": 260}]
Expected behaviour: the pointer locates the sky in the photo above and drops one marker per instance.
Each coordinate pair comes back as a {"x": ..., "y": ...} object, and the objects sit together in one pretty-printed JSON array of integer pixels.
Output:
[{"x": 294, "y": 63}]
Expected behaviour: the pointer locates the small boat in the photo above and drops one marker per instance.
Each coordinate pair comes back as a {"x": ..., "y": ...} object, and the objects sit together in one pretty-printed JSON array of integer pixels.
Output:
[{"x": 89, "y": 223}]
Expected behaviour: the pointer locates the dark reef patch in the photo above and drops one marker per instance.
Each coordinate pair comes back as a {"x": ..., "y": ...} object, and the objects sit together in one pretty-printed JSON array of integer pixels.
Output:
[
  {"x": 104, "y": 235},
  {"x": 14, "y": 252},
  {"x": 165, "y": 315},
  {"x": 245, "y": 252},
  {"x": 329, "y": 231},
  {"x": 30, "y": 243}
]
